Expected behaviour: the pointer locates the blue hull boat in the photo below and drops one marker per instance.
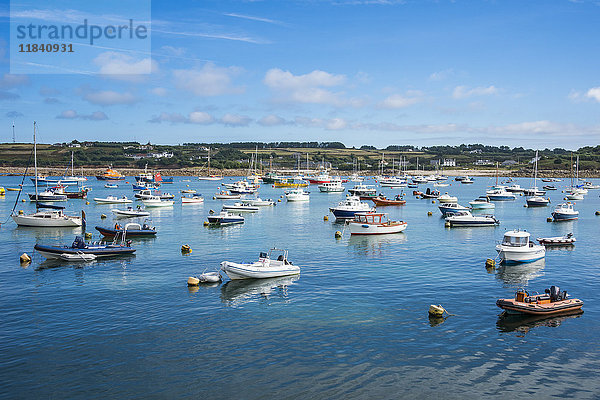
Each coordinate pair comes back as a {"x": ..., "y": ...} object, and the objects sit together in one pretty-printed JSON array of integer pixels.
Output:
[{"x": 79, "y": 246}]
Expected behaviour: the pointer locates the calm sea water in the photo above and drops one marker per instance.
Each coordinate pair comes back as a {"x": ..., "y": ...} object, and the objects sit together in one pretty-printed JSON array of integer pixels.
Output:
[{"x": 354, "y": 324}]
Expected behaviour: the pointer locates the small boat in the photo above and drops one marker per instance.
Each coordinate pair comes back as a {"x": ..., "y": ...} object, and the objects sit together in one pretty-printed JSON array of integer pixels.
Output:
[
  {"x": 132, "y": 230},
  {"x": 350, "y": 206},
  {"x": 574, "y": 196},
  {"x": 419, "y": 179},
  {"x": 112, "y": 200},
  {"x": 568, "y": 239},
  {"x": 565, "y": 212},
  {"x": 537, "y": 201},
  {"x": 550, "y": 180},
  {"x": 549, "y": 187},
  {"x": 147, "y": 194},
  {"x": 258, "y": 202},
  {"x": 225, "y": 218},
  {"x": 243, "y": 187},
  {"x": 467, "y": 180},
  {"x": 465, "y": 218},
  {"x": 446, "y": 198},
  {"x": 265, "y": 267},
  {"x": 156, "y": 201},
  {"x": 188, "y": 191},
  {"x": 374, "y": 224},
  {"x": 80, "y": 194},
  {"x": 450, "y": 208},
  {"x": 441, "y": 184},
  {"x": 54, "y": 218},
  {"x": 225, "y": 195},
  {"x": 363, "y": 191},
  {"x": 47, "y": 195},
  {"x": 99, "y": 249},
  {"x": 516, "y": 188},
  {"x": 481, "y": 203},
  {"x": 14, "y": 189},
  {"x": 319, "y": 179},
  {"x": 131, "y": 212},
  {"x": 460, "y": 178},
  {"x": 392, "y": 182},
  {"x": 413, "y": 185},
  {"x": 110, "y": 175},
  {"x": 384, "y": 201},
  {"x": 77, "y": 257},
  {"x": 430, "y": 194},
  {"x": 533, "y": 191},
  {"x": 516, "y": 248},
  {"x": 194, "y": 199},
  {"x": 334, "y": 186},
  {"x": 297, "y": 195},
  {"x": 289, "y": 183},
  {"x": 111, "y": 186},
  {"x": 552, "y": 302},
  {"x": 500, "y": 195},
  {"x": 240, "y": 207}
]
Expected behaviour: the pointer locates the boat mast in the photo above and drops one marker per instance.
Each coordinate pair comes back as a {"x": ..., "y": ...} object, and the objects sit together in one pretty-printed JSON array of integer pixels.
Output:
[
  {"x": 571, "y": 170},
  {"x": 72, "y": 169},
  {"x": 208, "y": 174},
  {"x": 35, "y": 164}
]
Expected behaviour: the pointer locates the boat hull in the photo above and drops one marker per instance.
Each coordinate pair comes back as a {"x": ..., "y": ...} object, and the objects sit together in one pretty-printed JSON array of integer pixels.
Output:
[
  {"x": 66, "y": 222},
  {"x": 237, "y": 271},
  {"x": 558, "y": 307},
  {"x": 130, "y": 232},
  {"x": 359, "y": 228},
  {"x": 57, "y": 251},
  {"x": 519, "y": 255}
]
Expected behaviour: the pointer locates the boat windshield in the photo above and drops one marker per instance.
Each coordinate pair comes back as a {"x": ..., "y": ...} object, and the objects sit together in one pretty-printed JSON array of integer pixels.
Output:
[{"x": 515, "y": 241}]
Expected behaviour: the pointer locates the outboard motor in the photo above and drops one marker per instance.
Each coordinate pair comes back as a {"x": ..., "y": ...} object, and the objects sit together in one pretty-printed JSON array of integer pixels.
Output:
[{"x": 554, "y": 293}]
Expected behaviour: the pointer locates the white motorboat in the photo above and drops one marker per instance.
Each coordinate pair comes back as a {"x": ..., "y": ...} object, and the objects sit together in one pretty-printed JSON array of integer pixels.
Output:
[
  {"x": 363, "y": 190},
  {"x": 265, "y": 267},
  {"x": 194, "y": 199},
  {"x": 481, "y": 203},
  {"x": 112, "y": 200},
  {"x": 111, "y": 186},
  {"x": 537, "y": 201},
  {"x": 356, "y": 178},
  {"x": 48, "y": 195},
  {"x": 240, "y": 207},
  {"x": 565, "y": 212},
  {"x": 297, "y": 195},
  {"x": 500, "y": 195},
  {"x": 566, "y": 240},
  {"x": 333, "y": 186},
  {"x": 467, "y": 180},
  {"x": 465, "y": 218},
  {"x": 225, "y": 218},
  {"x": 48, "y": 219},
  {"x": 574, "y": 195},
  {"x": 374, "y": 224},
  {"x": 258, "y": 202},
  {"x": 590, "y": 185},
  {"x": 351, "y": 205},
  {"x": 77, "y": 257},
  {"x": 441, "y": 184},
  {"x": 225, "y": 195},
  {"x": 419, "y": 179},
  {"x": 449, "y": 208},
  {"x": 130, "y": 212},
  {"x": 516, "y": 248},
  {"x": 188, "y": 191},
  {"x": 446, "y": 198},
  {"x": 534, "y": 191},
  {"x": 515, "y": 188},
  {"x": 156, "y": 201},
  {"x": 392, "y": 182}
]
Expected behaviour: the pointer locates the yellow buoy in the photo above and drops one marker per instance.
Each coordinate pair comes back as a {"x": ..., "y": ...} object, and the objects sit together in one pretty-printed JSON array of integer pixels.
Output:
[
  {"x": 279, "y": 200},
  {"x": 187, "y": 185},
  {"x": 88, "y": 235},
  {"x": 186, "y": 249},
  {"x": 211, "y": 211},
  {"x": 214, "y": 198},
  {"x": 25, "y": 258},
  {"x": 23, "y": 200},
  {"x": 429, "y": 213},
  {"x": 548, "y": 219},
  {"x": 432, "y": 201},
  {"x": 326, "y": 218},
  {"x": 490, "y": 263},
  {"x": 436, "y": 311},
  {"x": 20, "y": 212},
  {"x": 338, "y": 234},
  {"x": 193, "y": 281},
  {"x": 103, "y": 216},
  {"x": 206, "y": 223},
  {"x": 87, "y": 203},
  {"x": 597, "y": 212}
]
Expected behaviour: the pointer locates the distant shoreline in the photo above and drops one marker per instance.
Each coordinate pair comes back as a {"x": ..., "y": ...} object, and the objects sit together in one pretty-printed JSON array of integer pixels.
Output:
[{"x": 17, "y": 171}]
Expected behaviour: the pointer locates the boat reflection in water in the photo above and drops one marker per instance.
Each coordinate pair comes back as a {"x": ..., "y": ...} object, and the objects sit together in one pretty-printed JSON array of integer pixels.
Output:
[
  {"x": 524, "y": 323},
  {"x": 238, "y": 292},
  {"x": 518, "y": 275},
  {"x": 371, "y": 245}
]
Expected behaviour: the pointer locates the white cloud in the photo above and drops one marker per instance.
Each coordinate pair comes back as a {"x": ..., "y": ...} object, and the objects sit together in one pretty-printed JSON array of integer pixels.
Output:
[
  {"x": 72, "y": 114},
  {"x": 307, "y": 88},
  {"x": 124, "y": 67},
  {"x": 109, "y": 98},
  {"x": 200, "y": 117},
  {"x": 400, "y": 101},
  {"x": 594, "y": 93},
  {"x": 441, "y": 75},
  {"x": 329, "y": 124},
  {"x": 195, "y": 117},
  {"x": 159, "y": 91},
  {"x": 174, "y": 51},
  {"x": 463, "y": 92},
  {"x": 9, "y": 81},
  {"x": 272, "y": 120},
  {"x": 235, "y": 120},
  {"x": 210, "y": 80}
]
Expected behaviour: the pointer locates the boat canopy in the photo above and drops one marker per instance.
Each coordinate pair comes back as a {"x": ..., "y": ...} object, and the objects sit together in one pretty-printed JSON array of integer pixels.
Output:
[
  {"x": 516, "y": 238},
  {"x": 370, "y": 218}
]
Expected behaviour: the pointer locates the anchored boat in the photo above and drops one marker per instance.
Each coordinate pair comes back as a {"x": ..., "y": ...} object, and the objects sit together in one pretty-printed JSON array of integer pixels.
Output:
[
  {"x": 465, "y": 218},
  {"x": 516, "y": 248},
  {"x": 225, "y": 218},
  {"x": 552, "y": 302},
  {"x": 374, "y": 224},
  {"x": 384, "y": 201},
  {"x": 99, "y": 249},
  {"x": 565, "y": 212},
  {"x": 265, "y": 267},
  {"x": 347, "y": 208},
  {"x": 568, "y": 239},
  {"x": 132, "y": 230}
]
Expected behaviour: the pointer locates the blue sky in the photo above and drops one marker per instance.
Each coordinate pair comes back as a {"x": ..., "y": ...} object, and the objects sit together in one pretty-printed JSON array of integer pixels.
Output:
[{"x": 361, "y": 72}]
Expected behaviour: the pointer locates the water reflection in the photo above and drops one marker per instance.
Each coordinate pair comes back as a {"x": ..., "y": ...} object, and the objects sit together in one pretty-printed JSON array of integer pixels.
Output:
[
  {"x": 238, "y": 292},
  {"x": 374, "y": 245},
  {"x": 519, "y": 275},
  {"x": 524, "y": 323}
]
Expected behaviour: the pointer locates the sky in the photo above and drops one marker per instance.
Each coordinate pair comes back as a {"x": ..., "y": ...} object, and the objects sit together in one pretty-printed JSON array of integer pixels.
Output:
[{"x": 375, "y": 72}]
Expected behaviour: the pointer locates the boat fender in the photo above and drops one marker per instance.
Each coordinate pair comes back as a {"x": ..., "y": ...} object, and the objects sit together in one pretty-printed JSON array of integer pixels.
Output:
[
  {"x": 23, "y": 200},
  {"x": 25, "y": 259},
  {"x": 338, "y": 234},
  {"x": 548, "y": 219},
  {"x": 325, "y": 218},
  {"x": 211, "y": 211},
  {"x": 88, "y": 235},
  {"x": 20, "y": 212},
  {"x": 429, "y": 213},
  {"x": 193, "y": 281},
  {"x": 490, "y": 263},
  {"x": 103, "y": 216},
  {"x": 205, "y": 223},
  {"x": 186, "y": 249},
  {"x": 436, "y": 311}
]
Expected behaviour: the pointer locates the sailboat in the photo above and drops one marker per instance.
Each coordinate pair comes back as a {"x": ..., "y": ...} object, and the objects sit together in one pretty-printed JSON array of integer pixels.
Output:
[
  {"x": 575, "y": 192},
  {"x": 208, "y": 176},
  {"x": 55, "y": 216},
  {"x": 536, "y": 200}
]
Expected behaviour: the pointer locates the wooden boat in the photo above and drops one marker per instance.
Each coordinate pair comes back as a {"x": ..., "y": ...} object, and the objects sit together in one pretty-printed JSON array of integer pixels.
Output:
[
  {"x": 14, "y": 189},
  {"x": 132, "y": 230},
  {"x": 265, "y": 267},
  {"x": 552, "y": 302},
  {"x": 384, "y": 201},
  {"x": 568, "y": 239},
  {"x": 374, "y": 224}
]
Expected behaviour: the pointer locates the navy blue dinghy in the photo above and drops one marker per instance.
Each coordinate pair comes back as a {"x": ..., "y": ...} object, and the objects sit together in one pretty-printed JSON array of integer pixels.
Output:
[
  {"x": 100, "y": 249},
  {"x": 133, "y": 230}
]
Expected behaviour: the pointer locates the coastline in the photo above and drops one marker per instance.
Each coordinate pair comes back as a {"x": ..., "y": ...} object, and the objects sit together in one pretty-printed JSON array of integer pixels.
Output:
[{"x": 17, "y": 171}]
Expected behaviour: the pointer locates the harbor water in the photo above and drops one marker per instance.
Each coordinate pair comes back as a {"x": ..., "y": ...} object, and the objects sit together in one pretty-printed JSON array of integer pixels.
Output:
[{"x": 353, "y": 324}]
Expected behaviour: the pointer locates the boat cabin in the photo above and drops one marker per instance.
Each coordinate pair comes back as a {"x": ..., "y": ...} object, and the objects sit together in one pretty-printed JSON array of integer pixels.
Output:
[
  {"x": 516, "y": 238},
  {"x": 370, "y": 218}
]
